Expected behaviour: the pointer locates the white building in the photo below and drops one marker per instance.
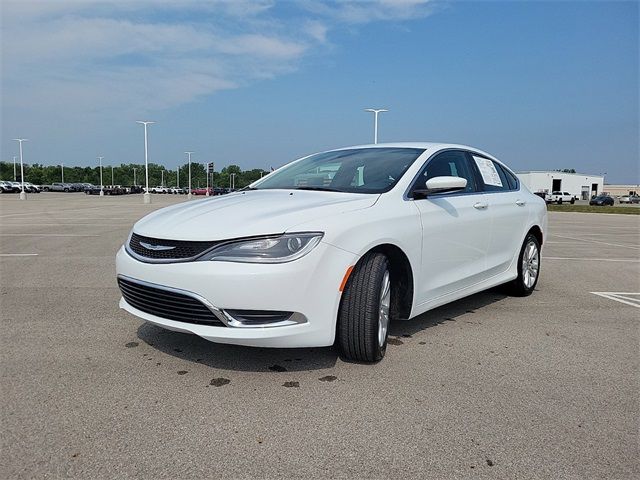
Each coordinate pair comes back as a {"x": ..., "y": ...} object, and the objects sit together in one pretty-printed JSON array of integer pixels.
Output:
[{"x": 578, "y": 184}]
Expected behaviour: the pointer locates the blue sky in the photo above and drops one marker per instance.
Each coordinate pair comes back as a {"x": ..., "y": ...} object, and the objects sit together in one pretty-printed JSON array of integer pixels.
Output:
[{"x": 541, "y": 85}]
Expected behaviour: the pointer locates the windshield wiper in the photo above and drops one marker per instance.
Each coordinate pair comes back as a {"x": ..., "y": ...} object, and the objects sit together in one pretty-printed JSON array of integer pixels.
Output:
[{"x": 319, "y": 189}]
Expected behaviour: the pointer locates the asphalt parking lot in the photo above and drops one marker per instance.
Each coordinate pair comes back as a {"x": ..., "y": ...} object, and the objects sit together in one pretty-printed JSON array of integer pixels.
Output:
[{"x": 491, "y": 386}]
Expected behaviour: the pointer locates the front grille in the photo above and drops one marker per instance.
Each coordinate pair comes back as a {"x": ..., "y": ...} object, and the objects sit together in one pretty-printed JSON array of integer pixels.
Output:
[
  {"x": 179, "y": 249},
  {"x": 167, "y": 304}
]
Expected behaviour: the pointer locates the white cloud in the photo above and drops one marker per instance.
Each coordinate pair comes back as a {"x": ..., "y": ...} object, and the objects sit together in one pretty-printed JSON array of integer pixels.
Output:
[{"x": 139, "y": 56}]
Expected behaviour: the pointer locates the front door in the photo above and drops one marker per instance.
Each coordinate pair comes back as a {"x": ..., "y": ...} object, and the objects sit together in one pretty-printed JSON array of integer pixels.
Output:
[{"x": 455, "y": 230}]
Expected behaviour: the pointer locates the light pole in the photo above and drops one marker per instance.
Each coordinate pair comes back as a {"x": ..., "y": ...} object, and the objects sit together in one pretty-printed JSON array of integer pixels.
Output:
[
  {"x": 162, "y": 177},
  {"x": 134, "y": 176},
  {"x": 23, "y": 196},
  {"x": 189, "y": 193},
  {"x": 14, "y": 168},
  {"x": 232, "y": 181},
  {"x": 375, "y": 121},
  {"x": 112, "y": 180},
  {"x": 206, "y": 169},
  {"x": 101, "y": 186},
  {"x": 62, "y": 178},
  {"x": 146, "y": 198},
  {"x": 178, "y": 176}
]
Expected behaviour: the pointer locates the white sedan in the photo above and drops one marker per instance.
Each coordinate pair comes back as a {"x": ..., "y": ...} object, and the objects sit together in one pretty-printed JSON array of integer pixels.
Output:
[{"x": 332, "y": 247}]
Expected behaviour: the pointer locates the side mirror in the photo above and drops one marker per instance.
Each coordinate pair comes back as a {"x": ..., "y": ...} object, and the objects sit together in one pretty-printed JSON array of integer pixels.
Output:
[{"x": 441, "y": 185}]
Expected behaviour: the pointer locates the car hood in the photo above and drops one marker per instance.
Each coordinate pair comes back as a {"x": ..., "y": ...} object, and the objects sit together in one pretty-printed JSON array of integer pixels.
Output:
[{"x": 249, "y": 213}]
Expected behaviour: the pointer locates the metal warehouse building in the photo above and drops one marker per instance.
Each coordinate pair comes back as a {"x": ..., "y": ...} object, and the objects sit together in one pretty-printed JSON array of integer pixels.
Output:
[{"x": 578, "y": 184}]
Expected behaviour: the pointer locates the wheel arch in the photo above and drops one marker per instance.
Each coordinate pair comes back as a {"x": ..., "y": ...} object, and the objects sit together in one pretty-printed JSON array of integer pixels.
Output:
[
  {"x": 401, "y": 277},
  {"x": 537, "y": 232}
]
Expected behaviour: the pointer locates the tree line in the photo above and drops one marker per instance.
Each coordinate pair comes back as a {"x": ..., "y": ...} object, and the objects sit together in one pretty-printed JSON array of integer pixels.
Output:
[{"x": 123, "y": 174}]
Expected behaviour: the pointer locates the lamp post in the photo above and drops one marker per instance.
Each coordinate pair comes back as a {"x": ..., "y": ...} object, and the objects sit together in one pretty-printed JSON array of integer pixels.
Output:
[
  {"x": 112, "y": 180},
  {"x": 146, "y": 198},
  {"x": 178, "y": 176},
  {"x": 23, "y": 196},
  {"x": 206, "y": 172},
  {"x": 14, "y": 168},
  {"x": 189, "y": 157},
  {"x": 232, "y": 181},
  {"x": 62, "y": 177},
  {"x": 134, "y": 176},
  {"x": 101, "y": 185},
  {"x": 375, "y": 121}
]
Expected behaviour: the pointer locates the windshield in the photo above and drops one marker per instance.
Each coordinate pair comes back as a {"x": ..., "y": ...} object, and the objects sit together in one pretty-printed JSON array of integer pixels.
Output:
[{"x": 362, "y": 170}]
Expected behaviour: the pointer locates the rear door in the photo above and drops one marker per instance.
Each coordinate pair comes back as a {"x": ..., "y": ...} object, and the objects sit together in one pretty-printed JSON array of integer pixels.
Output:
[
  {"x": 507, "y": 204},
  {"x": 455, "y": 229}
]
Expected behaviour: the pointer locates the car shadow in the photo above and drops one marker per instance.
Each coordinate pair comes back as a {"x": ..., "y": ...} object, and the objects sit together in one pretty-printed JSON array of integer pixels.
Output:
[
  {"x": 252, "y": 359},
  {"x": 446, "y": 313},
  {"x": 236, "y": 357}
]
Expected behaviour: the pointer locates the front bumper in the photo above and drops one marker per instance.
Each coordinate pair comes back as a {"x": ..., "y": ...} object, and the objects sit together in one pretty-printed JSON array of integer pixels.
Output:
[{"x": 308, "y": 286}]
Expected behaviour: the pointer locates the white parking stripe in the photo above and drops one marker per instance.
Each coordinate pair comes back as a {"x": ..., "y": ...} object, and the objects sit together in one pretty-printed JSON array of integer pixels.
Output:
[
  {"x": 598, "y": 242},
  {"x": 621, "y": 297},
  {"x": 18, "y": 254},
  {"x": 45, "y": 235},
  {"x": 586, "y": 259}
]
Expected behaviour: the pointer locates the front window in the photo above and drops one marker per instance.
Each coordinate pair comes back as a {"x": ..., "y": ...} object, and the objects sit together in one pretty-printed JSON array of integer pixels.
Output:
[{"x": 363, "y": 170}]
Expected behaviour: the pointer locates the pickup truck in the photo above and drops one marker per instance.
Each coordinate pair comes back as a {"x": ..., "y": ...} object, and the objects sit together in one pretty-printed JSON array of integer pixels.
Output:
[
  {"x": 560, "y": 197},
  {"x": 58, "y": 187},
  {"x": 159, "y": 189}
]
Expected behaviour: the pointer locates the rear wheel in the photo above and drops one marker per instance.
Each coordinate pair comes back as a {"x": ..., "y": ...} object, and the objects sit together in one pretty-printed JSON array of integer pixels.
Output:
[
  {"x": 365, "y": 310},
  {"x": 573, "y": 200},
  {"x": 528, "y": 268}
]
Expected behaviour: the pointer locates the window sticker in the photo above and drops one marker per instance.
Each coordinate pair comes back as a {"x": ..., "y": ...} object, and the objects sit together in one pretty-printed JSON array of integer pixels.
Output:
[{"x": 488, "y": 171}]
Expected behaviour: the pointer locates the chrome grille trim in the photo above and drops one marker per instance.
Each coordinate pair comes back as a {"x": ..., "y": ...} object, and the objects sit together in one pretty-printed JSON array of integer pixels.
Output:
[
  {"x": 170, "y": 303},
  {"x": 169, "y": 251}
]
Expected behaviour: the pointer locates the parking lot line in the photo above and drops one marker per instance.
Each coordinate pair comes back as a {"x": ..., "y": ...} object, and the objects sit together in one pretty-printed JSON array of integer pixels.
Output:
[
  {"x": 45, "y": 235},
  {"x": 621, "y": 297},
  {"x": 598, "y": 242},
  {"x": 18, "y": 254},
  {"x": 632, "y": 260}
]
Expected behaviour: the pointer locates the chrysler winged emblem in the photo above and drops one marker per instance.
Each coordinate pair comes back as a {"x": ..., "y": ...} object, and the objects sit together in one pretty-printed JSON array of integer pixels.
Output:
[{"x": 150, "y": 246}]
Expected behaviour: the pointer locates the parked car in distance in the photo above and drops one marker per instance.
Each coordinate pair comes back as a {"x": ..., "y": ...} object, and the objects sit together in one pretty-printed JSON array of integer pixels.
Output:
[
  {"x": 629, "y": 199},
  {"x": 393, "y": 231},
  {"x": 31, "y": 188},
  {"x": 9, "y": 187},
  {"x": 560, "y": 197},
  {"x": 58, "y": 187},
  {"x": 602, "y": 200},
  {"x": 177, "y": 190},
  {"x": 201, "y": 191},
  {"x": 159, "y": 189}
]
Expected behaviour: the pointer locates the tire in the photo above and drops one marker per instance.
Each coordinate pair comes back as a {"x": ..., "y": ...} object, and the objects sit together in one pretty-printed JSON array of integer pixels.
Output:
[
  {"x": 522, "y": 286},
  {"x": 573, "y": 200},
  {"x": 559, "y": 201},
  {"x": 46, "y": 189},
  {"x": 66, "y": 190},
  {"x": 365, "y": 310}
]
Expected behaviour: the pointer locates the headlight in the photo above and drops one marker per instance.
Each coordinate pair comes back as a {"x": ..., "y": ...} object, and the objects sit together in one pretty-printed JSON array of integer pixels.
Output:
[{"x": 281, "y": 249}]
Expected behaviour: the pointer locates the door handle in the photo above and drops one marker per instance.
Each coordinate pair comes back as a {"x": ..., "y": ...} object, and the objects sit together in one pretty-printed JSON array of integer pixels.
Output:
[
  {"x": 521, "y": 203},
  {"x": 480, "y": 205}
]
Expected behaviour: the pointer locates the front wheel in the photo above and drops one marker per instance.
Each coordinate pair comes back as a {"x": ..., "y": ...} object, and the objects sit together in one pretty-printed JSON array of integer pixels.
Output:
[
  {"x": 528, "y": 268},
  {"x": 365, "y": 310},
  {"x": 573, "y": 200}
]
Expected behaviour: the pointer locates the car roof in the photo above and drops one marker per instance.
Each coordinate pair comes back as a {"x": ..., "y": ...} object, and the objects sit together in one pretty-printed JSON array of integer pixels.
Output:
[{"x": 430, "y": 146}]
